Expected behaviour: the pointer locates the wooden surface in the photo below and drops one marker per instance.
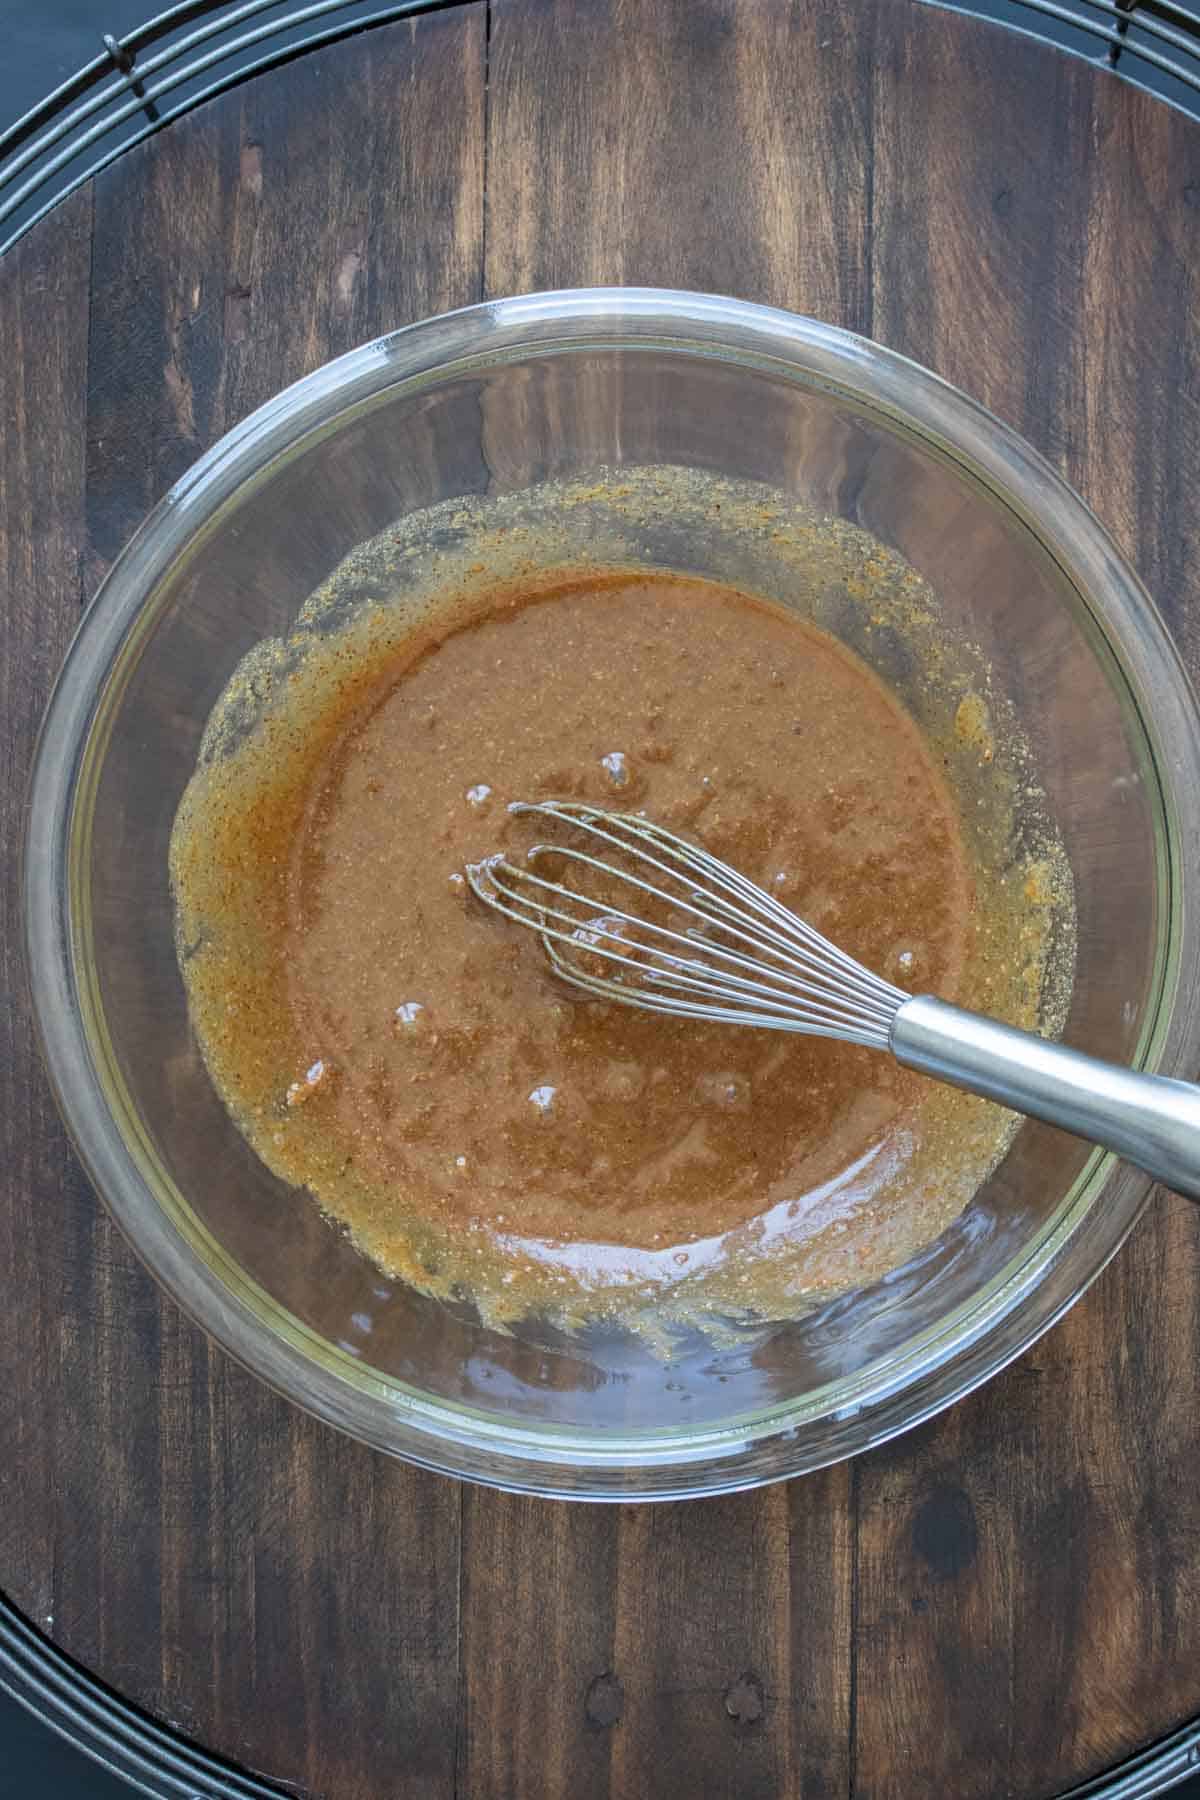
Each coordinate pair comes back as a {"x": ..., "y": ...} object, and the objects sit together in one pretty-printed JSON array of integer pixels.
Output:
[{"x": 1004, "y": 1601}]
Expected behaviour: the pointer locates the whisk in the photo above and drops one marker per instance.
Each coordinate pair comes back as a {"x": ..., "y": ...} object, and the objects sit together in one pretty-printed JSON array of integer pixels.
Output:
[{"x": 707, "y": 943}]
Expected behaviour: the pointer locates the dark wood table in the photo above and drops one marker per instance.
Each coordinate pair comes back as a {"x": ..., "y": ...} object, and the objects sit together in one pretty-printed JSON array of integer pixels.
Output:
[{"x": 1006, "y": 1600}]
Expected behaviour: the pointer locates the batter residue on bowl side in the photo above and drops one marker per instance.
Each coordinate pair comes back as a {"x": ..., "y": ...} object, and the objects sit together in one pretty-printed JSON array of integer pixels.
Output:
[{"x": 387, "y": 1044}]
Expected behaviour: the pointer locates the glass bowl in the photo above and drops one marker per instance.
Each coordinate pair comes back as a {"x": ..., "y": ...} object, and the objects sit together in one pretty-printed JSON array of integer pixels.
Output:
[{"x": 500, "y": 398}]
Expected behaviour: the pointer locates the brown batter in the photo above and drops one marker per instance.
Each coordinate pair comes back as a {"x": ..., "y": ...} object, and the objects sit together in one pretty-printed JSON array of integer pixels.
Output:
[{"x": 412, "y": 1060}]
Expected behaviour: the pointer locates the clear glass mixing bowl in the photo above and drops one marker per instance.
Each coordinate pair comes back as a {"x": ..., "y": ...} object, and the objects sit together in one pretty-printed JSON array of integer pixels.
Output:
[{"x": 497, "y": 398}]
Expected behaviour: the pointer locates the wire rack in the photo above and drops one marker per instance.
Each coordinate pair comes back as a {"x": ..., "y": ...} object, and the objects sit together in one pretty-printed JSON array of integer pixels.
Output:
[
  {"x": 1153, "y": 43},
  {"x": 140, "y": 82},
  {"x": 153, "y": 1759}
]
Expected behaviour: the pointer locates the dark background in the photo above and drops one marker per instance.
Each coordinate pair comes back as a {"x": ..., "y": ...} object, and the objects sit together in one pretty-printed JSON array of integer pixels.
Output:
[
  {"x": 40, "y": 46},
  {"x": 42, "y": 42}
]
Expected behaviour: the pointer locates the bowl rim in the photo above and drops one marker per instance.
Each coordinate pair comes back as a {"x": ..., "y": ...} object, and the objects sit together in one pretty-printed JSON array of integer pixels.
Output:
[{"x": 890, "y": 1395}]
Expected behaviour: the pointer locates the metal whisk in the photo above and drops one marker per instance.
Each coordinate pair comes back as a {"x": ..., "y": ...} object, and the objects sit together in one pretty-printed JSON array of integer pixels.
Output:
[{"x": 705, "y": 942}]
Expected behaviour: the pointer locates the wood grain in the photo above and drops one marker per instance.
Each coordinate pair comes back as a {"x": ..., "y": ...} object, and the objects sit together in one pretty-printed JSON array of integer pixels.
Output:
[
  {"x": 540, "y": 1703},
  {"x": 1004, "y": 1601},
  {"x": 833, "y": 160},
  {"x": 273, "y": 1588},
  {"x": 308, "y": 212},
  {"x": 1029, "y": 1587},
  {"x": 43, "y": 378},
  {"x": 693, "y": 1649},
  {"x": 722, "y": 1631},
  {"x": 674, "y": 146}
]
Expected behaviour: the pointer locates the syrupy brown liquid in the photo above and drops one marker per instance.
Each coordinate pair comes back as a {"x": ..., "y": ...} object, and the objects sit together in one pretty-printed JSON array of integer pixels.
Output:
[{"x": 478, "y": 1125}]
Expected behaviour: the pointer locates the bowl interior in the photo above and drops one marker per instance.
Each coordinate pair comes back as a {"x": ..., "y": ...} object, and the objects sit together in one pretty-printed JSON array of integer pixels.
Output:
[{"x": 251, "y": 536}]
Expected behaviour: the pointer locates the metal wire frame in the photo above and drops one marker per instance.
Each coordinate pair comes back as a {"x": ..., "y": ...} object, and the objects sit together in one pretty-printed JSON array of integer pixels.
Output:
[
  {"x": 153, "y": 1759},
  {"x": 1154, "y": 43},
  {"x": 89, "y": 111},
  {"x": 160, "y": 1763},
  {"x": 123, "y": 95}
]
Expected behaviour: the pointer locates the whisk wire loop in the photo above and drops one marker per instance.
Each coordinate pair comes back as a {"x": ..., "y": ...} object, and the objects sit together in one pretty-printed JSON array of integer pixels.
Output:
[{"x": 746, "y": 960}]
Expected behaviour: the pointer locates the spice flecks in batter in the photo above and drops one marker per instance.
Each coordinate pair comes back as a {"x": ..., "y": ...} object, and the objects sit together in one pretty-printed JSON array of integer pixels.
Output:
[{"x": 502, "y": 1136}]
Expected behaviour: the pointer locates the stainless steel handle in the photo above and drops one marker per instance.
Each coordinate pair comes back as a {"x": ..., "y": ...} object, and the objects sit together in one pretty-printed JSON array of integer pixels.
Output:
[{"x": 1148, "y": 1119}]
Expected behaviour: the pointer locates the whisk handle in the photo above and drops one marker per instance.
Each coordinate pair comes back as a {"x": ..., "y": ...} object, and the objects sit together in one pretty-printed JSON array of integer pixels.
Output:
[{"x": 1148, "y": 1119}]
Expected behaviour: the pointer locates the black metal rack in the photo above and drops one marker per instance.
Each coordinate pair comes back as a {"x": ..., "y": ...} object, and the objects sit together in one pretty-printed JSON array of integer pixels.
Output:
[
  {"x": 140, "y": 82},
  {"x": 118, "y": 1736}
]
